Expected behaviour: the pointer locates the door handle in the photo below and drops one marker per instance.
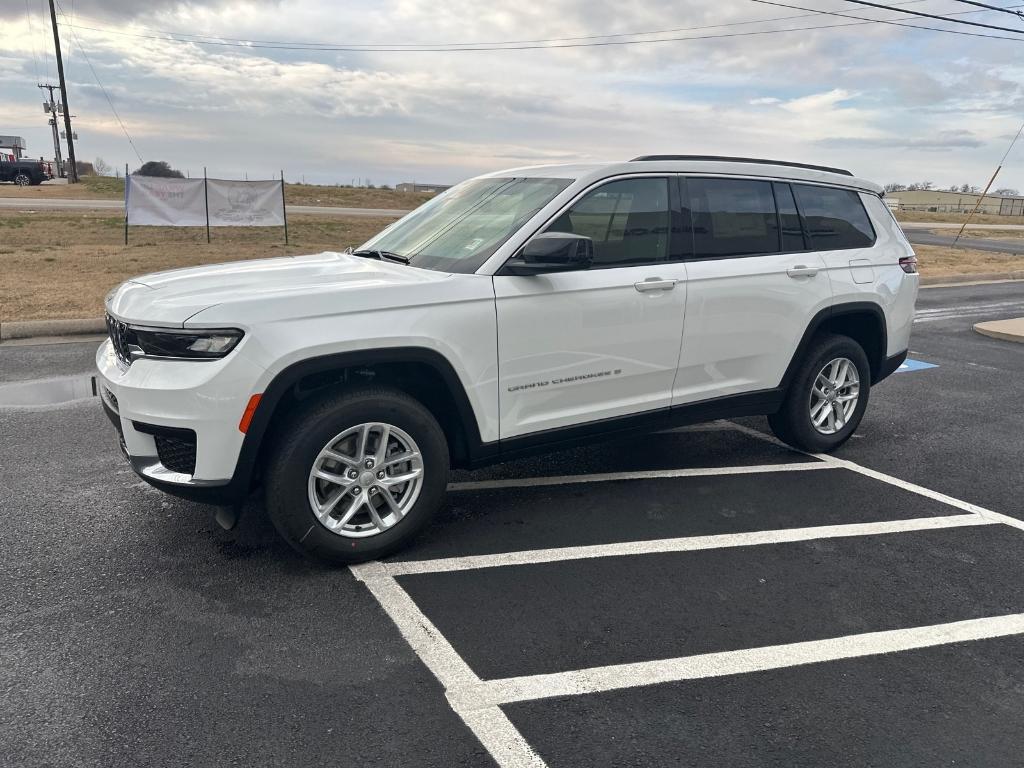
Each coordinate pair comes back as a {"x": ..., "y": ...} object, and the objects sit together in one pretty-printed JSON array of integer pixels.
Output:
[
  {"x": 802, "y": 270},
  {"x": 655, "y": 284}
]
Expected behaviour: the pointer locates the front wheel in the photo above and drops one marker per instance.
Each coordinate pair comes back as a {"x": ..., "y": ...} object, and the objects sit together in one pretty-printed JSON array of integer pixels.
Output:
[
  {"x": 22, "y": 179},
  {"x": 356, "y": 476},
  {"x": 827, "y": 397}
]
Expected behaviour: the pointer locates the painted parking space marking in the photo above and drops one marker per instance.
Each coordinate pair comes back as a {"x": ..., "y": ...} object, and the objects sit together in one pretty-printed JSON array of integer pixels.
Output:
[
  {"x": 683, "y": 544},
  {"x": 478, "y": 702},
  {"x": 915, "y": 365},
  {"x": 492, "y": 693}
]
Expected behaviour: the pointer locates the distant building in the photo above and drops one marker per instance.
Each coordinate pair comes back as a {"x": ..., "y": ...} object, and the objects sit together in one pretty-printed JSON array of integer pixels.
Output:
[
  {"x": 412, "y": 186},
  {"x": 954, "y": 202}
]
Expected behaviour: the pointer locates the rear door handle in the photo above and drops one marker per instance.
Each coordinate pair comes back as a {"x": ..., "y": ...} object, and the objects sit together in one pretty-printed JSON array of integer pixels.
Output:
[
  {"x": 655, "y": 284},
  {"x": 802, "y": 270}
]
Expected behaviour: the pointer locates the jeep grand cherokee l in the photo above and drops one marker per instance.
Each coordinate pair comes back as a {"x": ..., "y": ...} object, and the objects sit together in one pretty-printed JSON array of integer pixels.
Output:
[{"x": 520, "y": 311}]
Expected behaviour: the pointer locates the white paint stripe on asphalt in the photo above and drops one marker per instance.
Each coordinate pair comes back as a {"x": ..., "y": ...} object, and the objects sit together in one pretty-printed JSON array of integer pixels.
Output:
[
  {"x": 599, "y": 679},
  {"x": 683, "y": 544},
  {"x": 490, "y": 725},
  {"x": 651, "y": 474},
  {"x": 988, "y": 514},
  {"x": 968, "y": 307}
]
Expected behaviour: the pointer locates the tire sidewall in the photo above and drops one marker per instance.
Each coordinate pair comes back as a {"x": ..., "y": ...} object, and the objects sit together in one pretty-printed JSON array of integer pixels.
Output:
[
  {"x": 799, "y": 405},
  {"x": 306, "y": 434}
]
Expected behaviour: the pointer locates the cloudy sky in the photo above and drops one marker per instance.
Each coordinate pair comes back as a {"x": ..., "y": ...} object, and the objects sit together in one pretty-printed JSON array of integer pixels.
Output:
[{"x": 890, "y": 103}]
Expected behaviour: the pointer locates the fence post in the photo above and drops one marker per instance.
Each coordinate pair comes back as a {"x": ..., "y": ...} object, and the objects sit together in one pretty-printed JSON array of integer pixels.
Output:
[
  {"x": 127, "y": 181},
  {"x": 206, "y": 201},
  {"x": 284, "y": 209}
]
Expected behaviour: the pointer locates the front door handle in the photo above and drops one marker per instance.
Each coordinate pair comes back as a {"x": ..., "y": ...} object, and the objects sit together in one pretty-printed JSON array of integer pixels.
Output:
[
  {"x": 655, "y": 284},
  {"x": 802, "y": 270}
]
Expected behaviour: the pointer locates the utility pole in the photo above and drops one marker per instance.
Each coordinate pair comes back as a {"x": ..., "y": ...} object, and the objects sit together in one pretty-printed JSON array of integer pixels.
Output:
[
  {"x": 51, "y": 106},
  {"x": 73, "y": 169}
]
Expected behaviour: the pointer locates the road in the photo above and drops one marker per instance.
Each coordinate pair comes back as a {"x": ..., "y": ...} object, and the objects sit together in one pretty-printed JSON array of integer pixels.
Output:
[
  {"x": 724, "y": 611},
  {"x": 919, "y": 237},
  {"x": 29, "y": 204}
]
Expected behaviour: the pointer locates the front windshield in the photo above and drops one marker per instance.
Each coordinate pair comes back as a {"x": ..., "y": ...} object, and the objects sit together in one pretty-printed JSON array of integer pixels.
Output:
[{"x": 459, "y": 230}]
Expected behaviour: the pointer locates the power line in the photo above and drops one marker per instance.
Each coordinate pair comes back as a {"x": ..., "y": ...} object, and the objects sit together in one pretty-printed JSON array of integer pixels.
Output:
[
  {"x": 100, "y": 84},
  {"x": 1018, "y": 14},
  {"x": 936, "y": 16},
  {"x": 35, "y": 42},
  {"x": 604, "y": 43},
  {"x": 373, "y": 46}
]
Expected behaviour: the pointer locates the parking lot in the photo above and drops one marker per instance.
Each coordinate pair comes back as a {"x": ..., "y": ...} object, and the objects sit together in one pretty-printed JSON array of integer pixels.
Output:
[{"x": 699, "y": 597}]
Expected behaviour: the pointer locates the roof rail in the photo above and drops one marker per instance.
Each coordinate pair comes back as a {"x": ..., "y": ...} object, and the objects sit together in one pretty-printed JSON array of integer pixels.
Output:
[{"x": 759, "y": 161}]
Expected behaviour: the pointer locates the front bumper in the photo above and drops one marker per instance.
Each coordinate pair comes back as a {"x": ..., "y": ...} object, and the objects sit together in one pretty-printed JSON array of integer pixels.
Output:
[{"x": 159, "y": 397}]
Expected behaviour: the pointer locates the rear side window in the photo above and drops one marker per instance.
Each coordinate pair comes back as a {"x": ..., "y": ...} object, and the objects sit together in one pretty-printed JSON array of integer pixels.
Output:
[
  {"x": 732, "y": 217},
  {"x": 834, "y": 218}
]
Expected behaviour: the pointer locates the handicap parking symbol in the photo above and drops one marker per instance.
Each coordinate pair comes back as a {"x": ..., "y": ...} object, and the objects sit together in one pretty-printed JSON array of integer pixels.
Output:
[{"x": 914, "y": 365}]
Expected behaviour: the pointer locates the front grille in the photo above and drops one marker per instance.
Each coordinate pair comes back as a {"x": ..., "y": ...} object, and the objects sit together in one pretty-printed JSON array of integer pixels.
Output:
[
  {"x": 120, "y": 336},
  {"x": 177, "y": 452}
]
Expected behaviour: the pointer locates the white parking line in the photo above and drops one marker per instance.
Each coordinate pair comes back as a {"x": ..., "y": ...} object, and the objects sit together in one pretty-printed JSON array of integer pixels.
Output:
[
  {"x": 478, "y": 702},
  {"x": 650, "y": 474},
  {"x": 490, "y": 725},
  {"x": 492, "y": 693},
  {"x": 684, "y": 544}
]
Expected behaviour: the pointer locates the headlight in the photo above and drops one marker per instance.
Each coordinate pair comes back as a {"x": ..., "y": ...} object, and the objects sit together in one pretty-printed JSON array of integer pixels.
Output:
[{"x": 188, "y": 345}]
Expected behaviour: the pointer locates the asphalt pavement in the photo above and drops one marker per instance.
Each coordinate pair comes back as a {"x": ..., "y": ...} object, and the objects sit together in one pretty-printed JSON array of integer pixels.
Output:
[{"x": 699, "y": 597}]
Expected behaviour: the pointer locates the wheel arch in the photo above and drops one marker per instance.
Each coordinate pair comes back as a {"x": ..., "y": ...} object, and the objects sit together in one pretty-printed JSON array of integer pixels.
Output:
[
  {"x": 420, "y": 372},
  {"x": 862, "y": 321}
]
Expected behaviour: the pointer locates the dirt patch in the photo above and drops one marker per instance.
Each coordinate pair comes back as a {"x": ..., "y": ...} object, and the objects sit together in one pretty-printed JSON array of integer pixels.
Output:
[{"x": 61, "y": 265}]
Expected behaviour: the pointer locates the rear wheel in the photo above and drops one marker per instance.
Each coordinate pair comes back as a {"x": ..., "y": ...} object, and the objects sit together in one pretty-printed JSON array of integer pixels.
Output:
[
  {"x": 357, "y": 476},
  {"x": 827, "y": 397}
]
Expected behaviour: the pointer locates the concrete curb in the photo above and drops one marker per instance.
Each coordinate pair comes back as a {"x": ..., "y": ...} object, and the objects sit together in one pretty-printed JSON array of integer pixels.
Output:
[
  {"x": 1006, "y": 330},
  {"x": 981, "y": 277},
  {"x": 28, "y": 329}
]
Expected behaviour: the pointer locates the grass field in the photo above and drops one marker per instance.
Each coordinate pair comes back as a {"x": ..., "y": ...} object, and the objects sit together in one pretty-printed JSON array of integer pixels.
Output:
[
  {"x": 61, "y": 264},
  {"x": 957, "y": 218},
  {"x": 109, "y": 188}
]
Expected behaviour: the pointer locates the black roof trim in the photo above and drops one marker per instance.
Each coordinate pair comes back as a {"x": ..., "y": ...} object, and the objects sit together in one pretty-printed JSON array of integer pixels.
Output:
[{"x": 759, "y": 161}]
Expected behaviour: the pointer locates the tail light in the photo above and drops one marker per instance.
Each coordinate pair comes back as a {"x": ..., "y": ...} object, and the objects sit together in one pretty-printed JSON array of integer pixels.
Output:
[{"x": 909, "y": 264}]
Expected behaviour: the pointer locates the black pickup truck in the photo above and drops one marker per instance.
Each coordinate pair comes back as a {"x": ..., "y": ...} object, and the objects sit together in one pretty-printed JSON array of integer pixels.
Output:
[{"x": 24, "y": 172}]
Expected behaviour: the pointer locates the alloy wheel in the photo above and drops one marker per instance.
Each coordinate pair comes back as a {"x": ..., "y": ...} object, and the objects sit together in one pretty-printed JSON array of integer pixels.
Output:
[
  {"x": 365, "y": 480},
  {"x": 834, "y": 396}
]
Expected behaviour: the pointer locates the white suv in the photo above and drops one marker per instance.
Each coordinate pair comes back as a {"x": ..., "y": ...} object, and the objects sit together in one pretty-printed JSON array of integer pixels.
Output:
[{"x": 520, "y": 311}]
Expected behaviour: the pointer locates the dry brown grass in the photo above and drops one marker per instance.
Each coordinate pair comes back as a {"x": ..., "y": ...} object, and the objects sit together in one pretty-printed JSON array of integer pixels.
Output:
[
  {"x": 108, "y": 188},
  {"x": 957, "y": 218},
  {"x": 942, "y": 261},
  {"x": 61, "y": 265},
  {"x": 981, "y": 234}
]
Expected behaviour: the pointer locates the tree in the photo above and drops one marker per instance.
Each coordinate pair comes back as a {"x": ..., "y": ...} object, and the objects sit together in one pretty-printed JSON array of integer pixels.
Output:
[
  {"x": 102, "y": 167},
  {"x": 895, "y": 187},
  {"x": 1007, "y": 192},
  {"x": 85, "y": 168},
  {"x": 921, "y": 185},
  {"x": 158, "y": 168}
]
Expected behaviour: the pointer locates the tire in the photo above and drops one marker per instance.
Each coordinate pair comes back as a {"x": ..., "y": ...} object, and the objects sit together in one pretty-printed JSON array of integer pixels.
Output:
[
  {"x": 305, "y": 440},
  {"x": 793, "y": 423},
  {"x": 22, "y": 179}
]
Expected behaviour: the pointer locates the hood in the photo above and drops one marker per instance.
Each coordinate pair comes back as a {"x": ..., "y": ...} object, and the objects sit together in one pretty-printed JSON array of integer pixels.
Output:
[{"x": 170, "y": 298}]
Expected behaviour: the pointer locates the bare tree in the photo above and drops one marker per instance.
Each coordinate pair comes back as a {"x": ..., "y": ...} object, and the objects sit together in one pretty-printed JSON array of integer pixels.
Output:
[
  {"x": 102, "y": 167},
  {"x": 895, "y": 187},
  {"x": 1007, "y": 192}
]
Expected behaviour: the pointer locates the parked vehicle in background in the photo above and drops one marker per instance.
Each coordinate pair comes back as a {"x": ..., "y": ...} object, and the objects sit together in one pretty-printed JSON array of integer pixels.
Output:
[
  {"x": 24, "y": 172},
  {"x": 518, "y": 312}
]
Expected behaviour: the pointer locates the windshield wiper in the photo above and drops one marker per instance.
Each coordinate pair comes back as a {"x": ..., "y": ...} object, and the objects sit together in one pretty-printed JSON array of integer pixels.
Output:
[{"x": 373, "y": 253}]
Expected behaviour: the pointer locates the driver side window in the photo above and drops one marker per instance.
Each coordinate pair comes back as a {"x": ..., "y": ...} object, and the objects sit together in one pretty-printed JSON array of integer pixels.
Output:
[{"x": 628, "y": 221}]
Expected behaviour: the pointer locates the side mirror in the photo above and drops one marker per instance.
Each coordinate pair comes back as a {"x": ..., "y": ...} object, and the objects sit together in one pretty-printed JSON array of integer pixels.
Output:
[{"x": 552, "y": 252}]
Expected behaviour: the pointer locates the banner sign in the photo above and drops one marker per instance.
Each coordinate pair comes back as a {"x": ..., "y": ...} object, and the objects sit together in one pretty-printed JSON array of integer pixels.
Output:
[
  {"x": 152, "y": 201},
  {"x": 162, "y": 202},
  {"x": 245, "y": 203}
]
